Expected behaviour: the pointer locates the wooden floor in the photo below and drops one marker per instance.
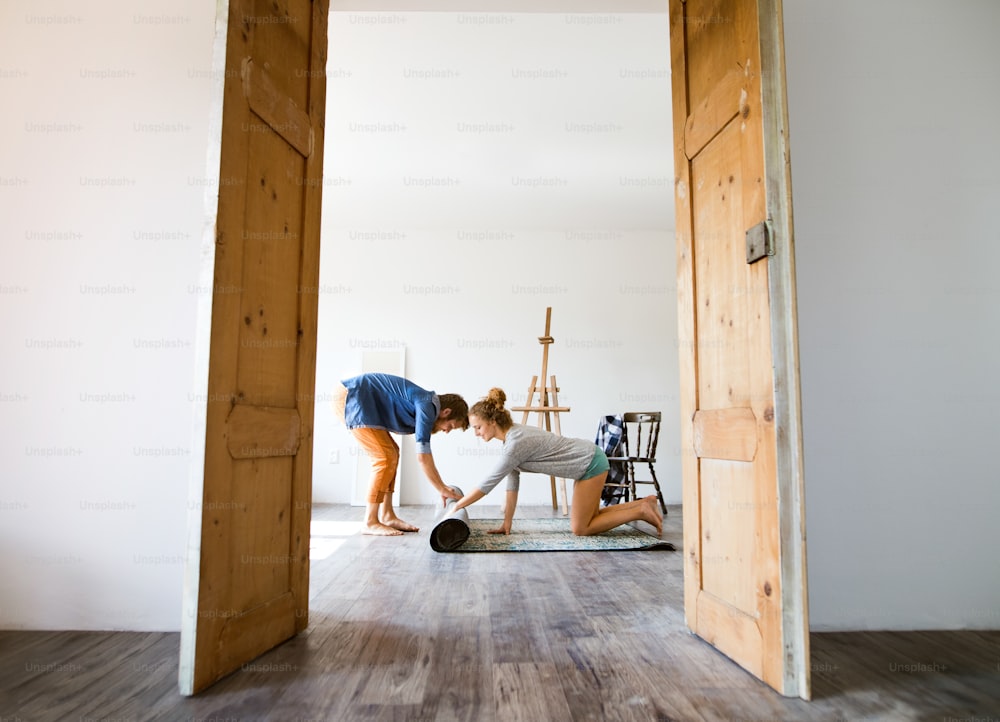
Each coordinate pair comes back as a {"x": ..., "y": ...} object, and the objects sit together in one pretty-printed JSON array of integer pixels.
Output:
[{"x": 399, "y": 632}]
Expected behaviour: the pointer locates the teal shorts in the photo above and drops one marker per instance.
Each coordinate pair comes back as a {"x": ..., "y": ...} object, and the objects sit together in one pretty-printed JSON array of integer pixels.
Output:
[{"x": 598, "y": 465}]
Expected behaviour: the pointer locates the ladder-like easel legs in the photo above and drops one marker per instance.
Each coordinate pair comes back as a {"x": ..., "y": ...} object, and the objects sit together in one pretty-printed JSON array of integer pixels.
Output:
[{"x": 546, "y": 411}]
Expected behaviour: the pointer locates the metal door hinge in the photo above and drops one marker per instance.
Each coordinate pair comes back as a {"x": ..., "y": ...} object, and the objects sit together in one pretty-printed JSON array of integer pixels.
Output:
[{"x": 760, "y": 241}]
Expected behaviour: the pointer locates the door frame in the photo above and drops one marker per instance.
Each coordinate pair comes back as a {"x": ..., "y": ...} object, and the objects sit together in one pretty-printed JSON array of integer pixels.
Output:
[
  {"x": 785, "y": 348},
  {"x": 781, "y": 279}
]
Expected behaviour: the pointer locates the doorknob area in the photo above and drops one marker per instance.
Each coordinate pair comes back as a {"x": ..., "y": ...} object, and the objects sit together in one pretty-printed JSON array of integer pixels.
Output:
[{"x": 760, "y": 242}]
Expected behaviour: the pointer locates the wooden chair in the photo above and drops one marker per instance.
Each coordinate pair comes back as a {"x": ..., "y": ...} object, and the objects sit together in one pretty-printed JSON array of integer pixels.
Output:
[{"x": 639, "y": 438}]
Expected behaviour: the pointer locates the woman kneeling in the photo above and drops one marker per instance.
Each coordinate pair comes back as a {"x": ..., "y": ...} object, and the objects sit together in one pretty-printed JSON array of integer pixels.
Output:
[{"x": 527, "y": 448}]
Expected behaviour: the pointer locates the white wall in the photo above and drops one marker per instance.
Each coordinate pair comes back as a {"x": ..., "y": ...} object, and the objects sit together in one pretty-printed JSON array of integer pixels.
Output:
[
  {"x": 102, "y": 178},
  {"x": 468, "y": 187},
  {"x": 896, "y": 176},
  {"x": 894, "y": 172},
  {"x": 102, "y": 174}
]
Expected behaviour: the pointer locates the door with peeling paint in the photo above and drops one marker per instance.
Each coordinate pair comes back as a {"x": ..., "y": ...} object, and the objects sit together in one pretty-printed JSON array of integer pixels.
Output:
[
  {"x": 247, "y": 576},
  {"x": 744, "y": 531}
]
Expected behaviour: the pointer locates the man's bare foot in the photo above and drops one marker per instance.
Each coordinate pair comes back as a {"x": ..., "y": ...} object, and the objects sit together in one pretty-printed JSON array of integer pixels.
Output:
[
  {"x": 651, "y": 513},
  {"x": 397, "y": 523},
  {"x": 378, "y": 529}
]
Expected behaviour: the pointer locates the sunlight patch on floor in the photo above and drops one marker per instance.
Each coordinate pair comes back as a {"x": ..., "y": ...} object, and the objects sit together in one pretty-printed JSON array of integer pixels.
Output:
[{"x": 326, "y": 537}]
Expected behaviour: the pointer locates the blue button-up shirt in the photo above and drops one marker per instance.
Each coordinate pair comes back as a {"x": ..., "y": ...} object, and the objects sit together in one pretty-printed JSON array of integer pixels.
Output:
[{"x": 384, "y": 401}]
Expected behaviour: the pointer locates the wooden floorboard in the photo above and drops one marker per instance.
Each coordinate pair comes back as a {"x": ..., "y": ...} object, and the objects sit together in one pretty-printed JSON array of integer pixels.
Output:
[{"x": 399, "y": 632}]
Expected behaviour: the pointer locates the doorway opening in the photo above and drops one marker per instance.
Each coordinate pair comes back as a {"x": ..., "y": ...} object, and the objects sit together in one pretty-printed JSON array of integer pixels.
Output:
[
  {"x": 741, "y": 398},
  {"x": 496, "y": 185}
]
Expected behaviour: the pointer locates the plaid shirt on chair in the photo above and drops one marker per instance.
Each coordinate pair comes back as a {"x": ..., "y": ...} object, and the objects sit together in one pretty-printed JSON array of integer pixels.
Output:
[{"x": 609, "y": 438}]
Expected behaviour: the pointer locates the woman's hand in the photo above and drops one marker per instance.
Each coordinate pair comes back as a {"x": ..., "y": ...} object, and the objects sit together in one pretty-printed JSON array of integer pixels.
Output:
[
  {"x": 510, "y": 504},
  {"x": 463, "y": 501}
]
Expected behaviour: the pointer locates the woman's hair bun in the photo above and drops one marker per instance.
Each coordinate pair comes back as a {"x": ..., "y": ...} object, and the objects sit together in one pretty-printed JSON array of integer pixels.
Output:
[{"x": 497, "y": 397}]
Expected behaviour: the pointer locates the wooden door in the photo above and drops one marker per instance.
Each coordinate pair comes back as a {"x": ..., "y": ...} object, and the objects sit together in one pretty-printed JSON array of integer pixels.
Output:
[
  {"x": 744, "y": 533},
  {"x": 247, "y": 577}
]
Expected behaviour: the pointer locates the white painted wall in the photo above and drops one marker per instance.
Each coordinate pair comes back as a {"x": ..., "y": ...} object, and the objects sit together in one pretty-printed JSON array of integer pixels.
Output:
[
  {"x": 896, "y": 175},
  {"x": 470, "y": 186},
  {"x": 894, "y": 172},
  {"x": 102, "y": 174},
  {"x": 102, "y": 177}
]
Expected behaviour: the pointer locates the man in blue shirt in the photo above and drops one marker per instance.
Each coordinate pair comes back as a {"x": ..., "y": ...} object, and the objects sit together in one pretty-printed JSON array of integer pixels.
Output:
[{"x": 372, "y": 406}]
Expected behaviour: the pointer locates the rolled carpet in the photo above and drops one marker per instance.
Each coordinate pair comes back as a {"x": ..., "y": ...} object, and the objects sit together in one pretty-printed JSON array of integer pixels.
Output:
[{"x": 452, "y": 528}]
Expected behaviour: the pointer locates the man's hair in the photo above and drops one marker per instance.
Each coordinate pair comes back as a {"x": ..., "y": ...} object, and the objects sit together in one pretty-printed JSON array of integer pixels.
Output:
[{"x": 459, "y": 409}]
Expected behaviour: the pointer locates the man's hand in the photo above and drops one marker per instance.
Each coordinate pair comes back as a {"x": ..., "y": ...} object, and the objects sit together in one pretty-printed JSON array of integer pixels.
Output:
[{"x": 448, "y": 493}]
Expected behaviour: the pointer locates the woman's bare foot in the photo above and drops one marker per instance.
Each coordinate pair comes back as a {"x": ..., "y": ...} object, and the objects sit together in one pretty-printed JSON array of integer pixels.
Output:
[
  {"x": 397, "y": 523},
  {"x": 651, "y": 513},
  {"x": 378, "y": 529}
]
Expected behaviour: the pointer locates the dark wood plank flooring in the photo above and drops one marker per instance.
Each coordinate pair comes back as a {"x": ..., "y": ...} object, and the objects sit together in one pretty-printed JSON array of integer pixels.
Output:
[{"x": 399, "y": 632}]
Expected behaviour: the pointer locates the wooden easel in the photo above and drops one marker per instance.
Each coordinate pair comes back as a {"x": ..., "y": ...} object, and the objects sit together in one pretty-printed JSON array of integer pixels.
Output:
[{"x": 546, "y": 411}]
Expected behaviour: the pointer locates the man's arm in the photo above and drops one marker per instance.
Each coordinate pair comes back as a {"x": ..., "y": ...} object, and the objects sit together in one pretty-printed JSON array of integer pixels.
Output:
[{"x": 434, "y": 477}]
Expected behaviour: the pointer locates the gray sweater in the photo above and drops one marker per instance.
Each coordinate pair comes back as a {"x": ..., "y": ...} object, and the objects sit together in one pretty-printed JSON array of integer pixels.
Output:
[{"x": 528, "y": 448}]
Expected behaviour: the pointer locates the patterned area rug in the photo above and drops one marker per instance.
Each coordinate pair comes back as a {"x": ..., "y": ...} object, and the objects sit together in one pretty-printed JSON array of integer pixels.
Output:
[{"x": 553, "y": 535}]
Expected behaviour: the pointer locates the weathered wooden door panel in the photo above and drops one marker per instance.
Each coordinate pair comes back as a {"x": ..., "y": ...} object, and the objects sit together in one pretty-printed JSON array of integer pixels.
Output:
[
  {"x": 246, "y": 583},
  {"x": 744, "y": 540}
]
